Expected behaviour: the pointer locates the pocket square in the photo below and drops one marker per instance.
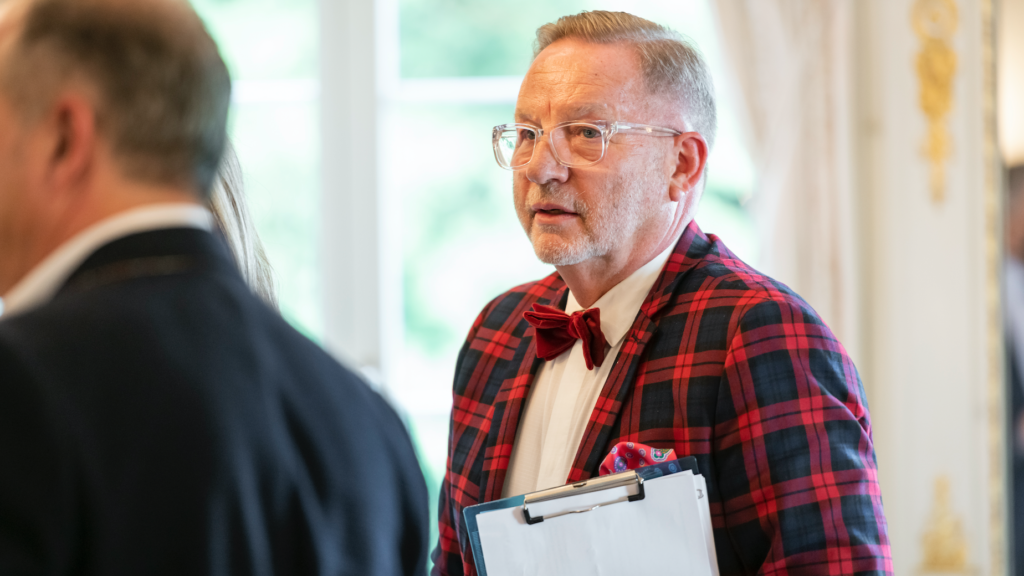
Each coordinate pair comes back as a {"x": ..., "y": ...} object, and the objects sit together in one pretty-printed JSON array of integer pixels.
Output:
[{"x": 632, "y": 455}]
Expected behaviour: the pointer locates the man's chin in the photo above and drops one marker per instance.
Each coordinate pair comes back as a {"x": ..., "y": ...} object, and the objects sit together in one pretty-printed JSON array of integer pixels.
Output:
[{"x": 561, "y": 253}]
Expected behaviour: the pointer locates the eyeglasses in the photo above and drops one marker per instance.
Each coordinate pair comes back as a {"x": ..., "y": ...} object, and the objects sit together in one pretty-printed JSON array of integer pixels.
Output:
[{"x": 573, "y": 144}]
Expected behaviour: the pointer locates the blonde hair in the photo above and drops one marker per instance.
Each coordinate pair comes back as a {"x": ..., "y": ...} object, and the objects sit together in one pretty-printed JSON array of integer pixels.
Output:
[
  {"x": 669, "y": 63},
  {"x": 227, "y": 202}
]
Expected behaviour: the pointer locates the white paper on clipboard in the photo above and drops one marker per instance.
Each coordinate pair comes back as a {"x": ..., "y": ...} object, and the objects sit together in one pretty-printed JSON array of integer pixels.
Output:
[
  {"x": 709, "y": 535},
  {"x": 665, "y": 532}
]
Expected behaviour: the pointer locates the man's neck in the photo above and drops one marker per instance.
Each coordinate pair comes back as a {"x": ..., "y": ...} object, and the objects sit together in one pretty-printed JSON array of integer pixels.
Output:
[
  {"x": 63, "y": 223},
  {"x": 590, "y": 280},
  {"x": 44, "y": 281}
]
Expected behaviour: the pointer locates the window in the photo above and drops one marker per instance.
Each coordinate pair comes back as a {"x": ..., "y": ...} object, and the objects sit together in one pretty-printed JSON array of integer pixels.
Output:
[
  {"x": 447, "y": 66},
  {"x": 272, "y": 50}
]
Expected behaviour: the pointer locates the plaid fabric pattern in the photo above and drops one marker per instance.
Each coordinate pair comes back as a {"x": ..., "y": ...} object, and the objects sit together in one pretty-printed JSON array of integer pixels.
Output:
[{"x": 721, "y": 363}]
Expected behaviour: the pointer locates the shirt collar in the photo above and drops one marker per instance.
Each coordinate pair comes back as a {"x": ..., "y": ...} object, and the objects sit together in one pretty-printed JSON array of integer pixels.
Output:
[
  {"x": 42, "y": 282},
  {"x": 620, "y": 305}
]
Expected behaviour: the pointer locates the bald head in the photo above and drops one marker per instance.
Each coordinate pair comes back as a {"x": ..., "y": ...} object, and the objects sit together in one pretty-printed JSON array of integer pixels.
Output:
[{"x": 159, "y": 87}]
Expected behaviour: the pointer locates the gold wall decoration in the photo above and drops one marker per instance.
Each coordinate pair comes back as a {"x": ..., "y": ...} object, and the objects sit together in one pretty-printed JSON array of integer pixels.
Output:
[
  {"x": 935, "y": 22},
  {"x": 945, "y": 546}
]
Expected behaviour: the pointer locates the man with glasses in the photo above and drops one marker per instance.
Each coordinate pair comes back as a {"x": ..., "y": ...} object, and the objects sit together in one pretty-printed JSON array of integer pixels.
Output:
[{"x": 652, "y": 337}]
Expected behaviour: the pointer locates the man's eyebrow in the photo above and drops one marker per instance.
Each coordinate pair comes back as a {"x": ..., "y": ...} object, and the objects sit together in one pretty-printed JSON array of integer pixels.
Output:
[
  {"x": 589, "y": 109},
  {"x": 523, "y": 117},
  {"x": 574, "y": 113}
]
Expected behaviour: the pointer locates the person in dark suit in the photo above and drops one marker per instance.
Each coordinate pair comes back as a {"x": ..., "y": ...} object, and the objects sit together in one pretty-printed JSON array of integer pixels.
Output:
[
  {"x": 1013, "y": 319},
  {"x": 156, "y": 417}
]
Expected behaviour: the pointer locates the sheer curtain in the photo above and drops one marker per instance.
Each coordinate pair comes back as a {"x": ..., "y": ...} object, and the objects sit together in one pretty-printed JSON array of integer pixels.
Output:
[{"x": 790, "y": 65}]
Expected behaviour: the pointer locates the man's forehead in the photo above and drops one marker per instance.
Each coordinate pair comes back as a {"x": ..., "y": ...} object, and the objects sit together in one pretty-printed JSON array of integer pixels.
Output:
[
  {"x": 569, "y": 110},
  {"x": 8, "y": 15},
  {"x": 5, "y": 13},
  {"x": 10, "y": 10},
  {"x": 572, "y": 79}
]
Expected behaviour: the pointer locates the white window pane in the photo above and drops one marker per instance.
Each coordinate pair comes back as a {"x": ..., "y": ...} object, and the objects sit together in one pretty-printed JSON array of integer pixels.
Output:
[{"x": 272, "y": 50}]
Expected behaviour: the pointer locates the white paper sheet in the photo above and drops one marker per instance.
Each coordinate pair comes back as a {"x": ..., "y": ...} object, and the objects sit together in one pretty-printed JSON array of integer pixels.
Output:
[
  {"x": 664, "y": 532},
  {"x": 705, "y": 509}
]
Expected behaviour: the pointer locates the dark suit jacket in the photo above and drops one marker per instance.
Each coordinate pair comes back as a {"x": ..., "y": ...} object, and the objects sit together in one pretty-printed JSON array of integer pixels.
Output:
[
  {"x": 157, "y": 418},
  {"x": 722, "y": 363}
]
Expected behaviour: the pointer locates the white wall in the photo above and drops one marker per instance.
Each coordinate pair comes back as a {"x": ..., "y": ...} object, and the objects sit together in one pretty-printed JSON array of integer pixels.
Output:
[{"x": 930, "y": 285}]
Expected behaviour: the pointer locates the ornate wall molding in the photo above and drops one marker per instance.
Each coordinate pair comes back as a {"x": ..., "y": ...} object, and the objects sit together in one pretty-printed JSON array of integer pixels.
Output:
[
  {"x": 935, "y": 22},
  {"x": 997, "y": 430},
  {"x": 934, "y": 392},
  {"x": 944, "y": 543}
]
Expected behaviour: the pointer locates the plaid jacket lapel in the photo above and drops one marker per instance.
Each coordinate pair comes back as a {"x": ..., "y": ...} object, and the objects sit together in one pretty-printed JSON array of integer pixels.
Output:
[
  {"x": 509, "y": 404},
  {"x": 692, "y": 245}
]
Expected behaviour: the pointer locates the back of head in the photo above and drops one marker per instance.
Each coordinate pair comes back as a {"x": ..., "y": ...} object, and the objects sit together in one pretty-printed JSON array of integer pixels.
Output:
[
  {"x": 160, "y": 88},
  {"x": 670, "y": 65}
]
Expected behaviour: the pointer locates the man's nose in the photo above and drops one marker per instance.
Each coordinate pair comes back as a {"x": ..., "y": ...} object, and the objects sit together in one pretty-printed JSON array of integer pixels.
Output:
[{"x": 543, "y": 168}]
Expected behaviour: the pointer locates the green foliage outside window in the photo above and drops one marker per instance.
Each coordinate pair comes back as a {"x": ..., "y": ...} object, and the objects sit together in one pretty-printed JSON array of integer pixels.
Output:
[{"x": 275, "y": 43}]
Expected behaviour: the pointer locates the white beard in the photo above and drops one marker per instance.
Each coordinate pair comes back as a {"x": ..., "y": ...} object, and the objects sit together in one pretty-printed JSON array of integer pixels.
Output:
[{"x": 605, "y": 228}]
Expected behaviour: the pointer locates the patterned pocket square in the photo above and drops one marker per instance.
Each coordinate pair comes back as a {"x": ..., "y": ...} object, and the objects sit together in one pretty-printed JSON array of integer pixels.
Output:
[{"x": 632, "y": 455}]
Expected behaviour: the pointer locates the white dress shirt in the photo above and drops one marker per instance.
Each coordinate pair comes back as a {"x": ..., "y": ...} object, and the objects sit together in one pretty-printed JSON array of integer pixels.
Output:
[
  {"x": 42, "y": 282},
  {"x": 564, "y": 392}
]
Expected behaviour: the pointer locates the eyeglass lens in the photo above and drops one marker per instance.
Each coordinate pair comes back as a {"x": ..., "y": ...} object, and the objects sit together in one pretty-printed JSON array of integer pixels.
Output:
[{"x": 573, "y": 145}]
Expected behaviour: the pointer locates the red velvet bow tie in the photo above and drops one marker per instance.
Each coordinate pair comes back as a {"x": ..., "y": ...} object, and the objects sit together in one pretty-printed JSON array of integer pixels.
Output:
[{"x": 558, "y": 331}]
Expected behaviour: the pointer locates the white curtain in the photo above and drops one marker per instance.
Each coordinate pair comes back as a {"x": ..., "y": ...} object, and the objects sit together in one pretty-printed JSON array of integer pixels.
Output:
[{"x": 789, "y": 64}]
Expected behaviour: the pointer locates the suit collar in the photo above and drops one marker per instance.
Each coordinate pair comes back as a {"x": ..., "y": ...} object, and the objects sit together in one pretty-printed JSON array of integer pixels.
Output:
[
  {"x": 151, "y": 254},
  {"x": 692, "y": 247},
  {"x": 620, "y": 305},
  {"x": 46, "y": 278}
]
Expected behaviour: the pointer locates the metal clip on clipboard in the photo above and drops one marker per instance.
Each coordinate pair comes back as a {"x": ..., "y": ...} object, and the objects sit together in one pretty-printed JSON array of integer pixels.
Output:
[{"x": 586, "y": 486}]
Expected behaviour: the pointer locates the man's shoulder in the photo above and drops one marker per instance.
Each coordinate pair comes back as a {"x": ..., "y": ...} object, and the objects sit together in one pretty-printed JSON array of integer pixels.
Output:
[
  {"x": 734, "y": 305},
  {"x": 183, "y": 345},
  {"x": 193, "y": 385},
  {"x": 180, "y": 326},
  {"x": 717, "y": 277}
]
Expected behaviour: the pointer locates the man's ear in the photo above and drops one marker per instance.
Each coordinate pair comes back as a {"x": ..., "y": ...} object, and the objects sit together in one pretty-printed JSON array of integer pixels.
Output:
[
  {"x": 691, "y": 156},
  {"x": 71, "y": 141}
]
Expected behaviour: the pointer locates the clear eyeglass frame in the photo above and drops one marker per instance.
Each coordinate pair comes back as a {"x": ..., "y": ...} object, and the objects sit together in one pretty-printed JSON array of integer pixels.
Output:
[{"x": 607, "y": 130}]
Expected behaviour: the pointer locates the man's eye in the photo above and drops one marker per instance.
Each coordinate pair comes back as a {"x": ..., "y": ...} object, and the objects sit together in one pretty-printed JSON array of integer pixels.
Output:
[
  {"x": 528, "y": 135},
  {"x": 590, "y": 133}
]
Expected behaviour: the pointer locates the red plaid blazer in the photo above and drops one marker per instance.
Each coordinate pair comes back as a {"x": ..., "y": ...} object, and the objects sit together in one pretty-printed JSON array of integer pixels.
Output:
[{"x": 721, "y": 363}]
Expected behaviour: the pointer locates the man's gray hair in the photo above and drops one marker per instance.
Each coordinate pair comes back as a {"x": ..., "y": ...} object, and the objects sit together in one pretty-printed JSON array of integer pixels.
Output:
[
  {"x": 670, "y": 64},
  {"x": 160, "y": 87}
]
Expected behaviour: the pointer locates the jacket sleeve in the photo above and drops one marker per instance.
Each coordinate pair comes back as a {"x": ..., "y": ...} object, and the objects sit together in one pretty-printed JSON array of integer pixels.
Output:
[
  {"x": 795, "y": 462},
  {"x": 447, "y": 555}
]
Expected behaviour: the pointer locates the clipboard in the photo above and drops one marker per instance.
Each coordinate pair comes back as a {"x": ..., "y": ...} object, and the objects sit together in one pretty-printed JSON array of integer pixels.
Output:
[{"x": 589, "y": 497}]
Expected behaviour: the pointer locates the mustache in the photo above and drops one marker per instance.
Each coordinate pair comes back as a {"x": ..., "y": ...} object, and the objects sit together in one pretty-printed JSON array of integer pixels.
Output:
[{"x": 556, "y": 194}]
